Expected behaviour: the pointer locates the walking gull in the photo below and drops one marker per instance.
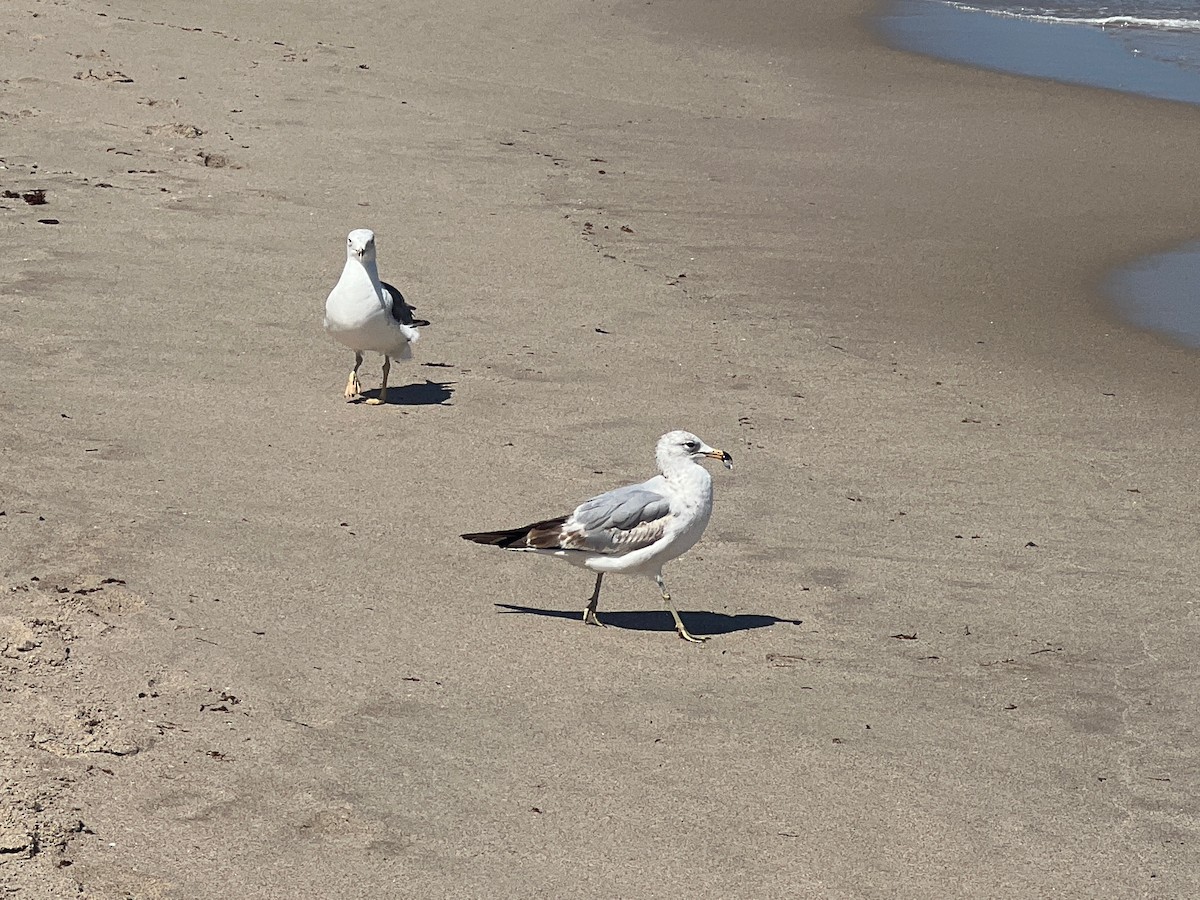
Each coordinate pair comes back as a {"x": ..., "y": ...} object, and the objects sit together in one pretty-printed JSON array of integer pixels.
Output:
[
  {"x": 634, "y": 529},
  {"x": 365, "y": 313}
]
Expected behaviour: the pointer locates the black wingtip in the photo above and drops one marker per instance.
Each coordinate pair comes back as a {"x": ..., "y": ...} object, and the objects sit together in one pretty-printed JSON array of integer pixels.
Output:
[
  {"x": 494, "y": 538},
  {"x": 538, "y": 536}
]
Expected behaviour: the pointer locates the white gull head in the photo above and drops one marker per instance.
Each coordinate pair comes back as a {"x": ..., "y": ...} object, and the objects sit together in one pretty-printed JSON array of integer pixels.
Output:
[
  {"x": 360, "y": 245},
  {"x": 677, "y": 448}
]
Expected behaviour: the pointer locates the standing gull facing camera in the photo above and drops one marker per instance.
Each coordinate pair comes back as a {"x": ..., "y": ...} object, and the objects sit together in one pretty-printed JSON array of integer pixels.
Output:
[
  {"x": 634, "y": 529},
  {"x": 367, "y": 314}
]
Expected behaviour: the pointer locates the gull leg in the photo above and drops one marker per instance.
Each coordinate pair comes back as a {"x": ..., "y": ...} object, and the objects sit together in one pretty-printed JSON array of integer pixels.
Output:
[
  {"x": 679, "y": 626},
  {"x": 382, "y": 398},
  {"x": 353, "y": 388},
  {"x": 589, "y": 614}
]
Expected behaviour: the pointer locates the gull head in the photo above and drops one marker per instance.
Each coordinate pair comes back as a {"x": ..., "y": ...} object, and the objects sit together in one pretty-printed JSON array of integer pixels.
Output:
[
  {"x": 360, "y": 245},
  {"x": 675, "y": 447}
]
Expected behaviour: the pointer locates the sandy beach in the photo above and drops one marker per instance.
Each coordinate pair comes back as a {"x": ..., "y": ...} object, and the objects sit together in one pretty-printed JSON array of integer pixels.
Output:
[{"x": 949, "y": 585}]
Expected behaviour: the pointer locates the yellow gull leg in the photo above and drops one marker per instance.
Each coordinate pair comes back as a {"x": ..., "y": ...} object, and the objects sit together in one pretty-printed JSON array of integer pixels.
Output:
[
  {"x": 679, "y": 626},
  {"x": 382, "y": 398},
  {"x": 353, "y": 388},
  {"x": 589, "y": 614}
]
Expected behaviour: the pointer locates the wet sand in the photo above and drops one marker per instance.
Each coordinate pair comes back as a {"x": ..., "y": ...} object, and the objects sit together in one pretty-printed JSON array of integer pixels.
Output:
[{"x": 949, "y": 584}]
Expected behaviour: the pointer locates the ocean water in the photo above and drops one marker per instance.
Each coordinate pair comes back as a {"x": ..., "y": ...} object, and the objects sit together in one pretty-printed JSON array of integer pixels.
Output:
[
  {"x": 1164, "y": 15},
  {"x": 1155, "y": 33},
  {"x": 1161, "y": 293},
  {"x": 1147, "y": 47}
]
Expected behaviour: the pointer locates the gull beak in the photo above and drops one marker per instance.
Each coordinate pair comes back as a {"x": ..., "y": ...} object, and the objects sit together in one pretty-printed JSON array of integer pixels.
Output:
[{"x": 724, "y": 457}]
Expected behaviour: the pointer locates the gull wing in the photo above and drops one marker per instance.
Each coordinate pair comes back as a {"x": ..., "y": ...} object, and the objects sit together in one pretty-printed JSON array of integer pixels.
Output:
[
  {"x": 617, "y": 522},
  {"x": 398, "y": 306}
]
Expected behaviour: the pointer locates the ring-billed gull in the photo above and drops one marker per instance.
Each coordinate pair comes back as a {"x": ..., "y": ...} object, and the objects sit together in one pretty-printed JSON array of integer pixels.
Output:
[
  {"x": 634, "y": 529},
  {"x": 365, "y": 313}
]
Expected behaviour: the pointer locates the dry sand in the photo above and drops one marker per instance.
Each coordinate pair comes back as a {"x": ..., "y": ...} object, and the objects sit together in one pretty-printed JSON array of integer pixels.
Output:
[{"x": 950, "y": 584}]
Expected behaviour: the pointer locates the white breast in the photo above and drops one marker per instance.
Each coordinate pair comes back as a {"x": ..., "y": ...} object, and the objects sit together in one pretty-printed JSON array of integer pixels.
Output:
[
  {"x": 353, "y": 303},
  {"x": 691, "y": 507}
]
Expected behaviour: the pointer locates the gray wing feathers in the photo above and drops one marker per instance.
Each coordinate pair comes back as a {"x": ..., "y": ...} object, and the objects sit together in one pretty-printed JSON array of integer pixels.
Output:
[
  {"x": 623, "y": 508},
  {"x": 621, "y": 520}
]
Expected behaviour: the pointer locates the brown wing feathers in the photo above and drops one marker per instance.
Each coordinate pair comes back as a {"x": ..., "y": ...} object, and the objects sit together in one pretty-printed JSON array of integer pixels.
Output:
[{"x": 538, "y": 536}]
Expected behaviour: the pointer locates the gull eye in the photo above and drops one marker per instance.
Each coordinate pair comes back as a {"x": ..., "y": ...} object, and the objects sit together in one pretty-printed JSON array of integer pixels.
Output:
[{"x": 691, "y": 446}]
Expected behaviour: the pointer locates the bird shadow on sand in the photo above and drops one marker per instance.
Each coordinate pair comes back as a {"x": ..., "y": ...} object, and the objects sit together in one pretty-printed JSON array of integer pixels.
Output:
[
  {"x": 701, "y": 624},
  {"x": 431, "y": 393}
]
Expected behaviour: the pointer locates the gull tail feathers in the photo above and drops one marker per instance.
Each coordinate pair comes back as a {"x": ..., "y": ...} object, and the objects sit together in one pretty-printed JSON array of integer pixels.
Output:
[{"x": 544, "y": 535}]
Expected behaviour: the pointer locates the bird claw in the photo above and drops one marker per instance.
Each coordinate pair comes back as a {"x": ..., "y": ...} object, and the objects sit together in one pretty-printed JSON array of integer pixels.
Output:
[
  {"x": 381, "y": 398},
  {"x": 589, "y": 618},
  {"x": 688, "y": 636}
]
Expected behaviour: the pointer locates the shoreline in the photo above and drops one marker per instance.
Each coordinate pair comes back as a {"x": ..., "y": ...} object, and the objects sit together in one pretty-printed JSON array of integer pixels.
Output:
[
  {"x": 1091, "y": 219},
  {"x": 949, "y": 585},
  {"x": 1149, "y": 293},
  {"x": 1067, "y": 53},
  {"x": 1156, "y": 293}
]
